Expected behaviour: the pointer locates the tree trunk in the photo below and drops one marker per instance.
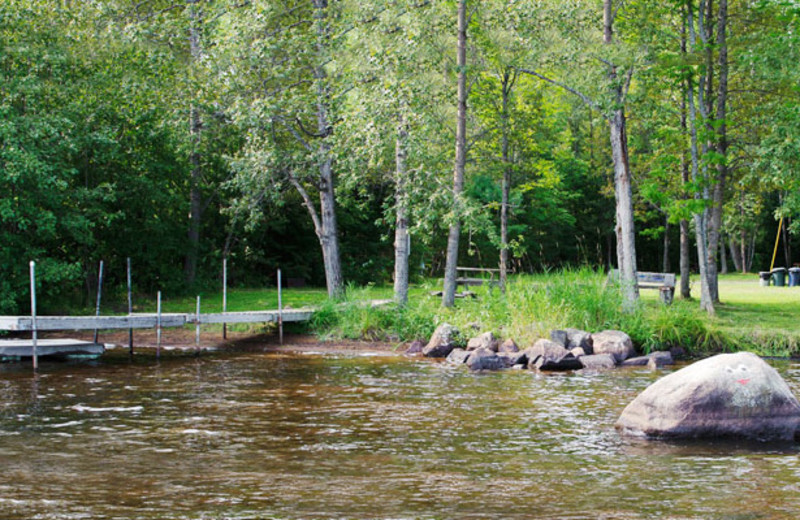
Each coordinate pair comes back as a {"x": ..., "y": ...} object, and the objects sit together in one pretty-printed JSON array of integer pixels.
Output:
[
  {"x": 685, "y": 263},
  {"x": 623, "y": 191},
  {"x": 195, "y": 132},
  {"x": 701, "y": 217},
  {"x": 721, "y": 145},
  {"x": 449, "y": 293},
  {"x": 507, "y": 84},
  {"x": 401, "y": 236},
  {"x": 736, "y": 255},
  {"x": 723, "y": 256},
  {"x": 665, "y": 265},
  {"x": 328, "y": 235},
  {"x": 685, "y": 260},
  {"x": 626, "y": 248}
]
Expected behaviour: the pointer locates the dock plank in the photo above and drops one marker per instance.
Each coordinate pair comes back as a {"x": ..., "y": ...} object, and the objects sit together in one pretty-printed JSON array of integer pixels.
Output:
[
  {"x": 289, "y": 315},
  {"x": 134, "y": 321}
]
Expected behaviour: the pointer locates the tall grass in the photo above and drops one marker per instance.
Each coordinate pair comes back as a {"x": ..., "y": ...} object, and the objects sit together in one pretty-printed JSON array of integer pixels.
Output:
[{"x": 532, "y": 306}]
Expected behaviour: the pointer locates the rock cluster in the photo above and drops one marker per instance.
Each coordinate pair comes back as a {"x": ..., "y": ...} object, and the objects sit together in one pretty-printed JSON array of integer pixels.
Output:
[{"x": 568, "y": 349}]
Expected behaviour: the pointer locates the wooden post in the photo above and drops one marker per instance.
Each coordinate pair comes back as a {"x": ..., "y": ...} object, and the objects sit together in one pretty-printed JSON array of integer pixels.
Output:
[
  {"x": 197, "y": 326},
  {"x": 130, "y": 307},
  {"x": 99, "y": 296},
  {"x": 280, "y": 310},
  {"x": 224, "y": 295},
  {"x": 33, "y": 318},
  {"x": 158, "y": 327}
]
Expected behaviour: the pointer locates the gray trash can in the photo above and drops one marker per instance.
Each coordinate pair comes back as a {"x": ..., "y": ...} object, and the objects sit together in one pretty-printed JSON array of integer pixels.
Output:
[
  {"x": 763, "y": 278},
  {"x": 779, "y": 276},
  {"x": 794, "y": 277}
]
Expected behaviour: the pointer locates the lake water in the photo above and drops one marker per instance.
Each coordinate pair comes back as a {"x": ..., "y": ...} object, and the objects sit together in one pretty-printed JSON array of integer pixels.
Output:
[{"x": 258, "y": 435}]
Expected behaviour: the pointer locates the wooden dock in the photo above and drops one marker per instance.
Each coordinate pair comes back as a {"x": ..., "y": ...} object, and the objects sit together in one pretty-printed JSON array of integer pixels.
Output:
[
  {"x": 12, "y": 349},
  {"x": 149, "y": 321}
]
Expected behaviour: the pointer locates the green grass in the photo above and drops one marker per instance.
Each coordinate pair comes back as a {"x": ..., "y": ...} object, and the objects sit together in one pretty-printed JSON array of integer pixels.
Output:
[{"x": 765, "y": 320}]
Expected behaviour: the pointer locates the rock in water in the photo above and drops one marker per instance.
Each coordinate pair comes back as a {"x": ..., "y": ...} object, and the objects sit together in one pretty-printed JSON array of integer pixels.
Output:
[
  {"x": 458, "y": 356},
  {"x": 728, "y": 395},
  {"x": 445, "y": 338},
  {"x": 548, "y": 355},
  {"x": 613, "y": 342},
  {"x": 486, "y": 359}
]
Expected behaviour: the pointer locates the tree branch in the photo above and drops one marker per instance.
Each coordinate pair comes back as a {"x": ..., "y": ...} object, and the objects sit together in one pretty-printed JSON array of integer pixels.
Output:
[
  {"x": 586, "y": 99},
  {"x": 308, "y": 203}
]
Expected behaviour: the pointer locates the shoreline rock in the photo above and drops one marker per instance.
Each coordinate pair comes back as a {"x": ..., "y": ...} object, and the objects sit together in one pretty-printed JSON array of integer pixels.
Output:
[{"x": 727, "y": 395}]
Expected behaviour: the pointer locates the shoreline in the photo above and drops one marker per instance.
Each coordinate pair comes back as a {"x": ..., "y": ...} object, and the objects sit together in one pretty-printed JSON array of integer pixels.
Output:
[{"x": 184, "y": 340}]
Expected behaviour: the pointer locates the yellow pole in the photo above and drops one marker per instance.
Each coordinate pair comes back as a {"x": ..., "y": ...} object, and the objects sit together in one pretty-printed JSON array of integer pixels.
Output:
[{"x": 777, "y": 238}]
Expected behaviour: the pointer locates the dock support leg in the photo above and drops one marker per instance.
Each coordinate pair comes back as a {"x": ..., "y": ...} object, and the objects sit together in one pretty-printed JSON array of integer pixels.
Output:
[
  {"x": 130, "y": 307},
  {"x": 224, "y": 295},
  {"x": 99, "y": 296},
  {"x": 33, "y": 317},
  {"x": 280, "y": 310},
  {"x": 197, "y": 327},
  {"x": 158, "y": 327}
]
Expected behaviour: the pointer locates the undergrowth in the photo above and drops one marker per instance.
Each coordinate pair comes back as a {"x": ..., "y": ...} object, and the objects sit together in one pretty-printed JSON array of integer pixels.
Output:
[{"x": 532, "y": 306}]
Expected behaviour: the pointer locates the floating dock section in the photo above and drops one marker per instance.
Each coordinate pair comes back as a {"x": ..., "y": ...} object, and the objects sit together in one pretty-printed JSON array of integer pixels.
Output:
[{"x": 15, "y": 349}]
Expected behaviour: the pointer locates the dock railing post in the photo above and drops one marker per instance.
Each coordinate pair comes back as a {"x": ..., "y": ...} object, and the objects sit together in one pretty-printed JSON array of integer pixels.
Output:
[
  {"x": 130, "y": 307},
  {"x": 224, "y": 295},
  {"x": 34, "y": 331},
  {"x": 99, "y": 296},
  {"x": 197, "y": 326},
  {"x": 158, "y": 327},
  {"x": 280, "y": 310}
]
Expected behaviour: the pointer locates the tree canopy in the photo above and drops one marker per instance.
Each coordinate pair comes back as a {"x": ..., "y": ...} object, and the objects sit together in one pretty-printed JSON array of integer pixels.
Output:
[{"x": 319, "y": 136}]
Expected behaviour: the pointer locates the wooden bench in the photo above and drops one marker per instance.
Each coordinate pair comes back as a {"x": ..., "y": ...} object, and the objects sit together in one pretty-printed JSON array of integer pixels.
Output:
[
  {"x": 463, "y": 278},
  {"x": 473, "y": 281},
  {"x": 664, "y": 282}
]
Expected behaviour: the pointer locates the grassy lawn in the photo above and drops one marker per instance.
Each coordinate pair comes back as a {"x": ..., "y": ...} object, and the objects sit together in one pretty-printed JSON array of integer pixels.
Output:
[{"x": 747, "y": 306}]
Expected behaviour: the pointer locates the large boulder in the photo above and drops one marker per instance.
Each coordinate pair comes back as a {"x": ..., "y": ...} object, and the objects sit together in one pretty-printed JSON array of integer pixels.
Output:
[
  {"x": 486, "y": 359},
  {"x": 485, "y": 340},
  {"x": 548, "y": 355},
  {"x": 444, "y": 339},
  {"x": 614, "y": 342},
  {"x": 728, "y": 395}
]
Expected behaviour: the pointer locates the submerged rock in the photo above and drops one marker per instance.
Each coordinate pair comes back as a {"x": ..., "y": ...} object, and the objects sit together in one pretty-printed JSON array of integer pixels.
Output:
[
  {"x": 658, "y": 358},
  {"x": 486, "y": 359},
  {"x": 613, "y": 342},
  {"x": 728, "y": 395},
  {"x": 598, "y": 362},
  {"x": 458, "y": 356},
  {"x": 444, "y": 339}
]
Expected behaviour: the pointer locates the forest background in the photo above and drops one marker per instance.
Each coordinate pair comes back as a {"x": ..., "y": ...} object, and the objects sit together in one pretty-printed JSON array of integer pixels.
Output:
[{"x": 327, "y": 137}]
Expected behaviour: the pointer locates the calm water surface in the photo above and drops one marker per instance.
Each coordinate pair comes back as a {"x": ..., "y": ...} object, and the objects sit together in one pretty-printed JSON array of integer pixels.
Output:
[{"x": 257, "y": 435}]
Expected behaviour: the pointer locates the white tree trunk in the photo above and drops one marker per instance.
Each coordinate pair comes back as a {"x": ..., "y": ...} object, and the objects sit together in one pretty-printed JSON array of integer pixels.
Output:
[
  {"x": 401, "y": 237},
  {"x": 626, "y": 247},
  {"x": 449, "y": 292}
]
